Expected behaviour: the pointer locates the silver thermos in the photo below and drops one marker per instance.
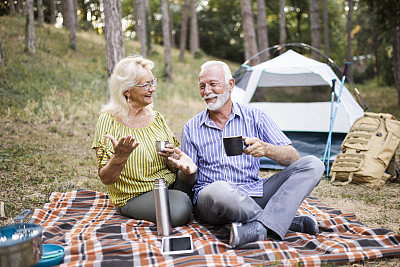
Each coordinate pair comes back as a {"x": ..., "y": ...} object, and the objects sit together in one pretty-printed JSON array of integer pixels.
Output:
[{"x": 163, "y": 215}]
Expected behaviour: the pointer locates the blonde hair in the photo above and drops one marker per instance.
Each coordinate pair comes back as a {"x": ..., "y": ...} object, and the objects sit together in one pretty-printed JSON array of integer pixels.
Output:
[{"x": 126, "y": 74}]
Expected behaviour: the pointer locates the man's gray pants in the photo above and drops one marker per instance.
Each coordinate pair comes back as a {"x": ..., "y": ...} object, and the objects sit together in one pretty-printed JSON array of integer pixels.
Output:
[{"x": 221, "y": 202}]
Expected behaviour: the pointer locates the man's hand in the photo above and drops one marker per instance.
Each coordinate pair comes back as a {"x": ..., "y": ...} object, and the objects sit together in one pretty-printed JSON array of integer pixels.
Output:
[
  {"x": 283, "y": 155},
  {"x": 256, "y": 147}
]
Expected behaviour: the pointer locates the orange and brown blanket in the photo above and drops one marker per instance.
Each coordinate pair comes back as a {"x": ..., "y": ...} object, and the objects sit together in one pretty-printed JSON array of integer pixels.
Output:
[{"x": 94, "y": 233}]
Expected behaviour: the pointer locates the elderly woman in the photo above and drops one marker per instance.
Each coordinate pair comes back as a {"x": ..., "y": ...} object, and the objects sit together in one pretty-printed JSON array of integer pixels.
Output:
[{"x": 124, "y": 141}]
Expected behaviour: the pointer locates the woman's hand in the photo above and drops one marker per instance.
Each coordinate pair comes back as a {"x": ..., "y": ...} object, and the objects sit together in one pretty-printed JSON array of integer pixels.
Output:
[
  {"x": 110, "y": 173},
  {"x": 167, "y": 152},
  {"x": 124, "y": 147}
]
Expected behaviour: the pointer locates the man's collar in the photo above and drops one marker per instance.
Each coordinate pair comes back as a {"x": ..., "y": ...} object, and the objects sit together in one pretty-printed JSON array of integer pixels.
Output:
[{"x": 205, "y": 115}]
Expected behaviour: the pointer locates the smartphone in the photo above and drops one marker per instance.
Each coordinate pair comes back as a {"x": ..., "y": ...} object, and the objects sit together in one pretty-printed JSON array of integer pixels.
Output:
[{"x": 176, "y": 245}]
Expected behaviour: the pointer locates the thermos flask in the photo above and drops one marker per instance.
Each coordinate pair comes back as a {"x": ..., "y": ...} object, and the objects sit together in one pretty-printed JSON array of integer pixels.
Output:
[{"x": 163, "y": 215}]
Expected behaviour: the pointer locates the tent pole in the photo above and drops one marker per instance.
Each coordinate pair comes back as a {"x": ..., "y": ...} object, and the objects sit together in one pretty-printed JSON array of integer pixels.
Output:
[
  {"x": 328, "y": 144},
  {"x": 329, "y": 141}
]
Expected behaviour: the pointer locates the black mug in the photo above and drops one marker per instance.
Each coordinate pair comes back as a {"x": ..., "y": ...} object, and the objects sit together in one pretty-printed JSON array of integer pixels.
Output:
[{"x": 234, "y": 145}]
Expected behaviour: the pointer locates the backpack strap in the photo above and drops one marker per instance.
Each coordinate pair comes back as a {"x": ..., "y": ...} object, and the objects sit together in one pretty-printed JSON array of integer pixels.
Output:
[{"x": 349, "y": 179}]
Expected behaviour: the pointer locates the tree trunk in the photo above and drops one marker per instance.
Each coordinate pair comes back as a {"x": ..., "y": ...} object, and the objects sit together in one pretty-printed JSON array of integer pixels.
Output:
[
  {"x": 113, "y": 33},
  {"x": 1, "y": 54},
  {"x": 20, "y": 7},
  {"x": 136, "y": 16},
  {"x": 52, "y": 11},
  {"x": 171, "y": 27},
  {"x": 148, "y": 28},
  {"x": 250, "y": 45},
  {"x": 183, "y": 37},
  {"x": 65, "y": 14},
  {"x": 349, "y": 40},
  {"x": 166, "y": 40},
  {"x": 315, "y": 34},
  {"x": 72, "y": 13},
  {"x": 282, "y": 24},
  {"x": 326, "y": 28},
  {"x": 30, "y": 28},
  {"x": 395, "y": 36},
  {"x": 141, "y": 24},
  {"x": 40, "y": 12},
  {"x": 12, "y": 8},
  {"x": 262, "y": 30},
  {"x": 194, "y": 28}
]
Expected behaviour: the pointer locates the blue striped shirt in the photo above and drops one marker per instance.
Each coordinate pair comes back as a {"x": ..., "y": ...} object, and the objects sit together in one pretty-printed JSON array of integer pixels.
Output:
[{"x": 202, "y": 141}]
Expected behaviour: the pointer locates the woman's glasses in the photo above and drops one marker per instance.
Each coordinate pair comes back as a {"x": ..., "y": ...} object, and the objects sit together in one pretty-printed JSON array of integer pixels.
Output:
[{"x": 148, "y": 85}]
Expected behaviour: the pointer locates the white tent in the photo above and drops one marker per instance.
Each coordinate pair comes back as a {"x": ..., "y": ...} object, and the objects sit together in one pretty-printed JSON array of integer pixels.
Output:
[
  {"x": 300, "y": 120},
  {"x": 292, "y": 69}
]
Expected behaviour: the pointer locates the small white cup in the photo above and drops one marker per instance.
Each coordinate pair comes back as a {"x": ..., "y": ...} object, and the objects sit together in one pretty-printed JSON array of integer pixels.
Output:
[{"x": 160, "y": 145}]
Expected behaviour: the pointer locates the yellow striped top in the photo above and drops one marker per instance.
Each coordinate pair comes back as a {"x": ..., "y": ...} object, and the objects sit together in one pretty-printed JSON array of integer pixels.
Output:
[{"x": 143, "y": 165}]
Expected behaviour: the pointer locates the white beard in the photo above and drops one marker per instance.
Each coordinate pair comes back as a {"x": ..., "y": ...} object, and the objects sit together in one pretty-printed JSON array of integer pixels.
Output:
[{"x": 221, "y": 100}]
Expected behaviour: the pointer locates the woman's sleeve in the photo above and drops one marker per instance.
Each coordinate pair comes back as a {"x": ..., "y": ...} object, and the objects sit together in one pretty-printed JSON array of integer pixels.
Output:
[{"x": 105, "y": 149}]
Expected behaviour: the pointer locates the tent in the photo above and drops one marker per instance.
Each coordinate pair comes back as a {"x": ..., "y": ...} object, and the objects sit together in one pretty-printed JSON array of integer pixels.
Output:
[{"x": 297, "y": 92}]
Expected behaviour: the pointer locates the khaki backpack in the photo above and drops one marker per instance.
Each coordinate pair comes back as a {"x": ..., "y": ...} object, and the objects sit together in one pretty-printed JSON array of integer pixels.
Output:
[{"x": 368, "y": 150}]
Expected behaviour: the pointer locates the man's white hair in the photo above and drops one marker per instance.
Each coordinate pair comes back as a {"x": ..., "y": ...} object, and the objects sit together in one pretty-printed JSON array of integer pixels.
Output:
[{"x": 225, "y": 67}]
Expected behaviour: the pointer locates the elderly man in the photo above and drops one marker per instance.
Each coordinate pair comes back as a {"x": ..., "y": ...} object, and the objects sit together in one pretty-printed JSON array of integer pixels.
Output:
[{"x": 227, "y": 189}]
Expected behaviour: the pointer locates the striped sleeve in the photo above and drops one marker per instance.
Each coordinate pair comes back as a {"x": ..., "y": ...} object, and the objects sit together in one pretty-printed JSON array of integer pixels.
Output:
[
  {"x": 269, "y": 131},
  {"x": 105, "y": 149}
]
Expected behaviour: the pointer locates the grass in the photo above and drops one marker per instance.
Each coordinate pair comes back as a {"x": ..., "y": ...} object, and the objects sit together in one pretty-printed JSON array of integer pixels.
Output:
[{"x": 49, "y": 105}]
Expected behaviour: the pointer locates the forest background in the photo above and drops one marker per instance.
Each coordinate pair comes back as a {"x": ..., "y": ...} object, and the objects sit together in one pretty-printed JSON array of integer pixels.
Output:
[{"x": 50, "y": 97}]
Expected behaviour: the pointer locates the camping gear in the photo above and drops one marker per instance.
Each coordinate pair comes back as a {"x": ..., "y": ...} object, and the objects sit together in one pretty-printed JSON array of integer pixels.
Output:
[
  {"x": 305, "y": 122},
  {"x": 163, "y": 214},
  {"x": 52, "y": 255},
  {"x": 20, "y": 243},
  {"x": 367, "y": 151},
  {"x": 328, "y": 143}
]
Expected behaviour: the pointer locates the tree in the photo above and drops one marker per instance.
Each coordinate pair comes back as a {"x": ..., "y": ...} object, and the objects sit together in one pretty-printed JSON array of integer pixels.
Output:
[
  {"x": 73, "y": 22},
  {"x": 183, "y": 37},
  {"x": 249, "y": 40},
  {"x": 315, "y": 34},
  {"x": 282, "y": 22},
  {"x": 148, "y": 28},
  {"x": 194, "y": 28},
  {"x": 30, "y": 28},
  {"x": 395, "y": 36},
  {"x": 171, "y": 27},
  {"x": 12, "y": 8},
  {"x": 113, "y": 33},
  {"x": 20, "y": 7},
  {"x": 1, "y": 54},
  {"x": 349, "y": 56},
  {"x": 262, "y": 30},
  {"x": 166, "y": 40},
  {"x": 52, "y": 11},
  {"x": 40, "y": 12},
  {"x": 64, "y": 11},
  {"x": 387, "y": 14},
  {"x": 141, "y": 26},
  {"x": 326, "y": 28}
]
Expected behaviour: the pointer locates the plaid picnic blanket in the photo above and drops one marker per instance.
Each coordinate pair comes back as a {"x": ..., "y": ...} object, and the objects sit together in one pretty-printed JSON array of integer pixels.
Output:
[{"x": 94, "y": 233}]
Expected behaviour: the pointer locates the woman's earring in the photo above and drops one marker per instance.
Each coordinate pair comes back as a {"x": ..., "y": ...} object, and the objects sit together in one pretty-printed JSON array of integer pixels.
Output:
[{"x": 127, "y": 99}]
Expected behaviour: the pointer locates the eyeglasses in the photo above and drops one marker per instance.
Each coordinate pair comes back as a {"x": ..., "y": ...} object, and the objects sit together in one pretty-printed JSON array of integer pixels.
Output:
[
  {"x": 147, "y": 86},
  {"x": 211, "y": 84}
]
